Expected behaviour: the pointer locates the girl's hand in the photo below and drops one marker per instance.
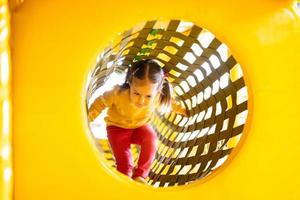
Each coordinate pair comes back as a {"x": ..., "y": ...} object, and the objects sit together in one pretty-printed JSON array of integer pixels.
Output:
[
  {"x": 96, "y": 108},
  {"x": 183, "y": 112},
  {"x": 177, "y": 108},
  {"x": 92, "y": 115}
]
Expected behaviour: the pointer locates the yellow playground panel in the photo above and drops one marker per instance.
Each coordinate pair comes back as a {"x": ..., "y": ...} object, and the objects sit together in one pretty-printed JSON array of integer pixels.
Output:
[{"x": 48, "y": 49}]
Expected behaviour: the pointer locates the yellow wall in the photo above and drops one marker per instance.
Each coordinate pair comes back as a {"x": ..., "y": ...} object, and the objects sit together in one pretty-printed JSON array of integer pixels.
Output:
[
  {"x": 55, "y": 44},
  {"x": 6, "y": 173}
]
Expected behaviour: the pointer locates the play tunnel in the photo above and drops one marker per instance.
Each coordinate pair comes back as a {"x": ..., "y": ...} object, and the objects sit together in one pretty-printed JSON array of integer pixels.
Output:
[
  {"x": 207, "y": 80},
  {"x": 233, "y": 65}
]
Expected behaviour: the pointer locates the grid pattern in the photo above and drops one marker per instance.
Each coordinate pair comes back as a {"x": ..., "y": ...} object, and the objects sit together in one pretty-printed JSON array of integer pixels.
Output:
[{"x": 207, "y": 81}]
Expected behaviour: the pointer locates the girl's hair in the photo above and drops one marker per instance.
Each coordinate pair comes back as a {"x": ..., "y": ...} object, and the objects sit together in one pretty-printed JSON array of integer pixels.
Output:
[{"x": 151, "y": 70}]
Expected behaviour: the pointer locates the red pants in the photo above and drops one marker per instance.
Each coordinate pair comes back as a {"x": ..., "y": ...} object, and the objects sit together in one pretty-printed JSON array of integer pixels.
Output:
[{"x": 120, "y": 140}]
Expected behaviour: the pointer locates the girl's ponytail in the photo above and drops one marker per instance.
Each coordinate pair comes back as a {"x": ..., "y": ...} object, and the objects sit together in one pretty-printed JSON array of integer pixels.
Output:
[
  {"x": 166, "y": 94},
  {"x": 128, "y": 79}
]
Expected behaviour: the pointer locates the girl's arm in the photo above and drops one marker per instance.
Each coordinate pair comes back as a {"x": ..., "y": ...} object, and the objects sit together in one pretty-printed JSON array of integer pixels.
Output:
[
  {"x": 96, "y": 108},
  {"x": 106, "y": 100}
]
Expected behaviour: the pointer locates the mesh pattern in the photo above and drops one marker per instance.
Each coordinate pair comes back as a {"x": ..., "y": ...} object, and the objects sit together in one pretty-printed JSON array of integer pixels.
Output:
[{"x": 207, "y": 80}]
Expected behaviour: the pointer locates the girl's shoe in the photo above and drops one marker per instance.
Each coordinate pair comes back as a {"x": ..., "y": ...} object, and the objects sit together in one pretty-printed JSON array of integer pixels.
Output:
[{"x": 140, "y": 180}]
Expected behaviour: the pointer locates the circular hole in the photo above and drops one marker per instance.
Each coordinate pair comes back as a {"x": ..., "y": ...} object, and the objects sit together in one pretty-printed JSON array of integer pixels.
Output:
[{"x": 207, "y": 81}]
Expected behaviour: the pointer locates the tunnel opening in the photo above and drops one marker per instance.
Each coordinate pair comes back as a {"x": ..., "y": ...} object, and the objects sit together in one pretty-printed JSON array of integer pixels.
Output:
[{"x": 207, "y": 80}]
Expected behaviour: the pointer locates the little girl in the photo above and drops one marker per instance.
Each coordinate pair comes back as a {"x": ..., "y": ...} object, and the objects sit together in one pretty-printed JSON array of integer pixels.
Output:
[{"x": 130, "y": 109}]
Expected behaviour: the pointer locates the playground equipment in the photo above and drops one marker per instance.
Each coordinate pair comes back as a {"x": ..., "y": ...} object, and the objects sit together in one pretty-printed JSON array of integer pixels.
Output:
[
  {"x": 54, "y": 46},
  {"x": 209, "y": 83}
]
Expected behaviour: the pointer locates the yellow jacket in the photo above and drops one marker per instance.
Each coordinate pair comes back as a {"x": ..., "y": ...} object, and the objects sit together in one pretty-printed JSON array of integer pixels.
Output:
[{"x": 122, "y": 113}]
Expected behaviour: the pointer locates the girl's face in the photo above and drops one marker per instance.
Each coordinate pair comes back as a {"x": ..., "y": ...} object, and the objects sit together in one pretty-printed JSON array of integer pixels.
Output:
[{"x": 142, "y": 92}]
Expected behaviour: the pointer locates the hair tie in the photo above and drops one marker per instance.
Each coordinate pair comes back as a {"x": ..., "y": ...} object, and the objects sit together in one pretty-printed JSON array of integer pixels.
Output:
[{"x": 166, "y": 75}]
